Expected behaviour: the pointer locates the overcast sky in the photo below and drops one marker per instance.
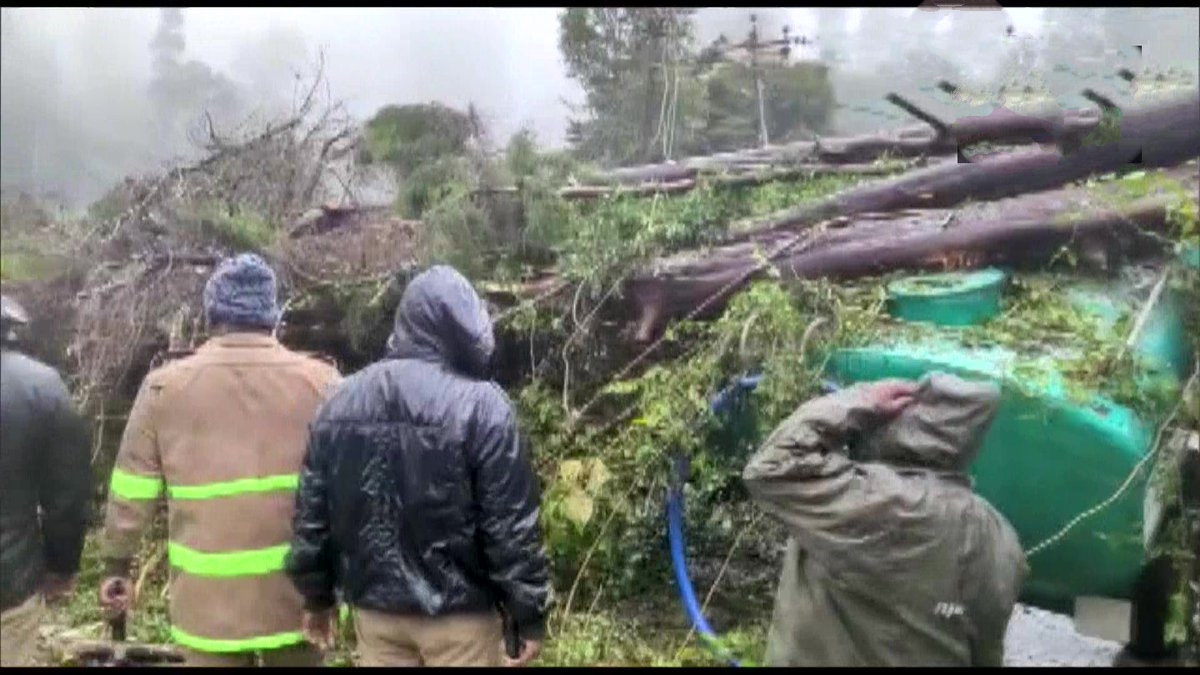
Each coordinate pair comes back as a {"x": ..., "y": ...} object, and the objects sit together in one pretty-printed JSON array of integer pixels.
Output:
[{"x": 505, "y": 60}]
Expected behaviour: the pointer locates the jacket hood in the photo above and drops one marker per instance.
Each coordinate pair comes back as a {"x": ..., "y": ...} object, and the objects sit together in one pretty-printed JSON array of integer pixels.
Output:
[
  {"x": 942, "y": 430},
  {"x": 441, "y": 318}
]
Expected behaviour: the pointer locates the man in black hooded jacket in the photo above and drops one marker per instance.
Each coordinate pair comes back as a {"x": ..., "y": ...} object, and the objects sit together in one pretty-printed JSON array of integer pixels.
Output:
[
  {"x": 45, "y": 482},
  {"x": 416, "y": 501}
]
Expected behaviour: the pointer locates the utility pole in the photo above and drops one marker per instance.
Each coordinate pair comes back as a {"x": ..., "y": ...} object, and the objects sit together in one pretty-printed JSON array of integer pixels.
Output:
[
  {"x": 763, "y": 139},
  {"x": 754, "y": 45}
]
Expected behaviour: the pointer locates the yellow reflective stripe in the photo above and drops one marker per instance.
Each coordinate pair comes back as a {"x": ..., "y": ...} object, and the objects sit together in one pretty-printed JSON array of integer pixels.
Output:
[
  {"x": 254, "y": 644},
  {"x": 250, "y": 563},
  {"x": 133, "y": 487},
  {"x": 235, "y": 487}
]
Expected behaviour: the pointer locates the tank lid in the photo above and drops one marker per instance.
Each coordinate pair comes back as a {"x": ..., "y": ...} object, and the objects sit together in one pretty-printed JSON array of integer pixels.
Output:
[{"x": 949, "y": 299}]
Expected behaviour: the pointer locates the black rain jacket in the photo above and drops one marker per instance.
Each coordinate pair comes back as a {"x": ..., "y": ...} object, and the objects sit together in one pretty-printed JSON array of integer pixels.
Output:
[
  {"x": 415, "y": 497},
  {"x": 45, "y": 477}
]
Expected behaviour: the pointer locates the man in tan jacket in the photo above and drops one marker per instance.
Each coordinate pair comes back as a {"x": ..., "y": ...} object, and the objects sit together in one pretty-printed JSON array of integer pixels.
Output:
[{"x": 221, "y": 434}]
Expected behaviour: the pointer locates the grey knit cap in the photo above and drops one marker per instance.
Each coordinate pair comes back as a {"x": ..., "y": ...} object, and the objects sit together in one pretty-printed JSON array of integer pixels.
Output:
[{"x": 241, "y": 293}]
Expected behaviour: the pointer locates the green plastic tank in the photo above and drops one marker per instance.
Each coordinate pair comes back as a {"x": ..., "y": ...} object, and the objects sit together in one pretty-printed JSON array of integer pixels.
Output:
[
  {"x": 948, "y": 299},
  {"x": 1050, "y": 455}
]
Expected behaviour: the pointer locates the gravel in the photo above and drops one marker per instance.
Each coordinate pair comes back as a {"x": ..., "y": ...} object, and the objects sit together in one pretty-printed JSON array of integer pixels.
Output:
[{"x": 1040, "y": 638}]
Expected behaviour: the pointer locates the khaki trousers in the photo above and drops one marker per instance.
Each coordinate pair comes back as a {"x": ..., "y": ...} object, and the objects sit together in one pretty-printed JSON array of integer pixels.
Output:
[
  {"x": 297, "y": 656},
  {"x": 19, "y": 632},
  {"x": 460, "y": 640}
]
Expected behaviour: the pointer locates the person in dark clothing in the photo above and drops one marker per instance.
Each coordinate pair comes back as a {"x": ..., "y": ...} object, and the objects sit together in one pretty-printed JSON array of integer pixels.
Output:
[
  {"x": 416, "y": 501},
  {"x": 45, "y": 479}
]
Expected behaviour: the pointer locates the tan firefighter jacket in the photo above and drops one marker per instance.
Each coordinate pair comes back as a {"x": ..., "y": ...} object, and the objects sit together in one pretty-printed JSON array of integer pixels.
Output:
[{"x": 221, "y": 434}]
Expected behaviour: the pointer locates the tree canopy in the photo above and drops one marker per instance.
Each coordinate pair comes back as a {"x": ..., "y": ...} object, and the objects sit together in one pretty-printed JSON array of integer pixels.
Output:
[{"x": 651, "y": 92}]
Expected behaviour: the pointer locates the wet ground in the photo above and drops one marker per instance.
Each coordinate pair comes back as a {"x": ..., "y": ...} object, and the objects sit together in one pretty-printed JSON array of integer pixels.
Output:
[{"x": 1040, "y": 638}]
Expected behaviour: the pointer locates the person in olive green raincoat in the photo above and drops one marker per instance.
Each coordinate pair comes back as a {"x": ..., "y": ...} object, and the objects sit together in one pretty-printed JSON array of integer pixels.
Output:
[{"x": 892, "y": 558}]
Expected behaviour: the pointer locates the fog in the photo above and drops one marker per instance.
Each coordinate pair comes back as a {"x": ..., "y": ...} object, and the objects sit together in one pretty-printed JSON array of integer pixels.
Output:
[{"x": 92, "y": 95}]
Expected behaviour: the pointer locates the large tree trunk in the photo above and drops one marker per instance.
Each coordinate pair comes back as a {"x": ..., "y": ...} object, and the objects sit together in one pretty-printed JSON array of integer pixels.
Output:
[
  {"x": 872, "y": 237},
  {"x": 1026, "y": 232},
  {"x": 1047, "y": 126},
  {"x": 1160, "y": 136}
]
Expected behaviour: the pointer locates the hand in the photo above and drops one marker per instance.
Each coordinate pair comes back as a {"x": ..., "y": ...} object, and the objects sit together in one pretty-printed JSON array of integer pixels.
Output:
[
  {"x": 890, "y": 397},
  {"x": 115, "y": 595},
  {"x": 318, "y": 628},
  {"x": 56, "y": 587},
  {"x": 530, "y": 649}
]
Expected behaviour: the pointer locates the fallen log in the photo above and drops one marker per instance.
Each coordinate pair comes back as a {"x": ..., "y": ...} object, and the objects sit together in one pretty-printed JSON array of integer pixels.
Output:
[
  {"x": 919, "y": 243},
  {"x": 1159, "y": 136},
  {"x": 764, "y": 174},
  {"x": 1044, "y": 126}
]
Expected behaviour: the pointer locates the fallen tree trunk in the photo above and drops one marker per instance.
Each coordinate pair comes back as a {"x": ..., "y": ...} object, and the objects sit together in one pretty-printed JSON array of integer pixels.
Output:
[
  {"x": 1045, "y": 126},
  {"x": 761, "y": 175},
  {"x": 921, "y": 242},
  {"x": 1164, "y": 135},
  {"x": 1050, "y": 125}
]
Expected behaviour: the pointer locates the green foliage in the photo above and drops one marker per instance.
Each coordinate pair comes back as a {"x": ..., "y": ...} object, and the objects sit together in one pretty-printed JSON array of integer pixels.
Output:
[
  {"x": 618, "y": 529},
  {"x": 611, "y": 639},
  {"x": 538, "y": 175},
  {"x": 616, "y": 54},
  {"x": 798, "y": 98},
  {"x": 647, "y": 89},
  {"x": 21, "y": 265},
  {"x": 359, "y": 313},
  {"x": 521, "y": 155},
  {"x": 602, "y": 239},
  {"x": 784, "y": 333},
  {"x": 1119, "y": 191},
  {"x": 235, "y": 227},
  {"x": 457, "y": 233},
  {"x": 432, "y": 182},
  {"x": 407, "y": 136}
]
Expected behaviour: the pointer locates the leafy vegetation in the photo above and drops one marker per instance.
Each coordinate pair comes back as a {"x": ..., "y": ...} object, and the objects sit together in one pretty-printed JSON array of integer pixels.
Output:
[
  {"x": 238, "y": 228},
  {"x": 409, "y": 136},
  {"x": 615, "y": 234},
  {"x": 19, "y": 265}
]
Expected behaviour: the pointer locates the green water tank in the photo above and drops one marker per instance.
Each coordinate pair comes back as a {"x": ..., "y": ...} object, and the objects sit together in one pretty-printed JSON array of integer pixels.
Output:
[
  {"x": 1049, "y": 456},
  {"x": 953, "y": 299}
]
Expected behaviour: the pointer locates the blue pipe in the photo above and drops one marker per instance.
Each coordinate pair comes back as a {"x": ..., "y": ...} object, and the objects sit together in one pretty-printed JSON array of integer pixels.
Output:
[{"x": 687, "y": 593}]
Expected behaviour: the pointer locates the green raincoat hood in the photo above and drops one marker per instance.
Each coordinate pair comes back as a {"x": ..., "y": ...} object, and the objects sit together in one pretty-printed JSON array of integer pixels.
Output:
[{"x": 942, "y": 430}]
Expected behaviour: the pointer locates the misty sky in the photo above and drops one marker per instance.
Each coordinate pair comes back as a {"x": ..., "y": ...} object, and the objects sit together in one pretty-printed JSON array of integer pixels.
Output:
[
  {"x": 505, "y": 60},
  {"x": 78, "y": 79}
]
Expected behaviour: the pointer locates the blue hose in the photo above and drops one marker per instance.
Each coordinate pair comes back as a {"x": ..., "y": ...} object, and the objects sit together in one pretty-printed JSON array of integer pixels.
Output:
[{"x": 687, "y": 593}]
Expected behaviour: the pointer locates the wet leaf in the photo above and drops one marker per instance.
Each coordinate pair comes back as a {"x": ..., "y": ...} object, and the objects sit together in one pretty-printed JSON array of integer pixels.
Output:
[
  {"x": 622, "y": 387},
  {"x": 578, "y": 507},
  {"x": 598, "y": 475},
  {"x": 570, "y": 471}
]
